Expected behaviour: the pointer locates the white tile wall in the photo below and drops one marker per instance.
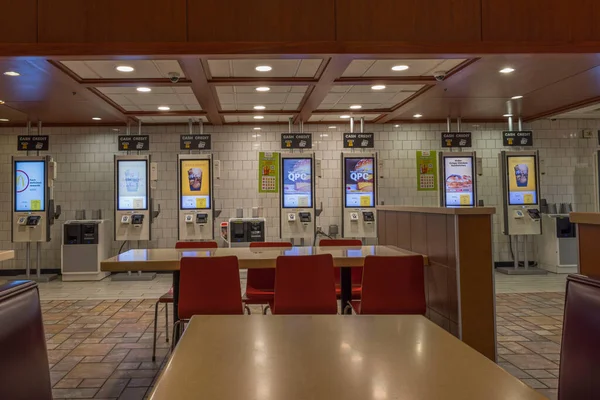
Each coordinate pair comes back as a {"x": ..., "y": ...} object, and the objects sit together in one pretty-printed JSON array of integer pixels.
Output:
[{"x": 85, "y": 172}]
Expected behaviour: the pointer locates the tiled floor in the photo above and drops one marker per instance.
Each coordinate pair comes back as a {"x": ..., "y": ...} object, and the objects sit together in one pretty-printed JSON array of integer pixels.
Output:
[{"x": 99, "y": 334}]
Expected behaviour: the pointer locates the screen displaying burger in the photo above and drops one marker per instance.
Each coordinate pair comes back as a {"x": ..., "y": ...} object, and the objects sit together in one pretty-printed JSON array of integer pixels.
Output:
[
  {"x": 297, "y": 182},
  {"x": 359, "y": 182},
  {"x": 458, "y": 185}
]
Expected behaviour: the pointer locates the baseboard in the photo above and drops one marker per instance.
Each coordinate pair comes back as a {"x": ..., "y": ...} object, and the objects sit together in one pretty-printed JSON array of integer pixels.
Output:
[
  {"x": 507, "y": 264},
  {"x": 15, "y": 272}
]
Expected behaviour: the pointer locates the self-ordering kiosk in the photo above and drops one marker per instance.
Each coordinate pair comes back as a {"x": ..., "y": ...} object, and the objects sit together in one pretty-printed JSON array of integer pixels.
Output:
[
  {"x": 359, "y": 195},
  {"x": 196, "y": 201},
  {"x": 297, "y": 201},
  {"x": 458, "y": 179},
  {"x": 132, "y": 190}
]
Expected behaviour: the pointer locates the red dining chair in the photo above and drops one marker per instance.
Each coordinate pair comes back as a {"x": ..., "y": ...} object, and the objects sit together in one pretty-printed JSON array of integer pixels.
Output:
[
  {"x": 167, "y": 298},
  {"x": 304, "y": 285},
  {"x": 208, "y": 286},
  {"x": 260, "y": 282},
  {"x": 392, "y": 285},
  {"x": 356, "y": 272}
]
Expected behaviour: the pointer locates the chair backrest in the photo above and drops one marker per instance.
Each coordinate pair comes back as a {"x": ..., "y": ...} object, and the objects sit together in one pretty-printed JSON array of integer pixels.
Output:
[
  {"x": 305, "y": 285},
  {"x": 263, "y": 278},
  {"x": 197, "y": 245},
  {"x": 209, "y": 286},
  {"x": 340, "y": 242},
  {"x": 393, "y": 285},
  {"x": 580, "y": 352}
]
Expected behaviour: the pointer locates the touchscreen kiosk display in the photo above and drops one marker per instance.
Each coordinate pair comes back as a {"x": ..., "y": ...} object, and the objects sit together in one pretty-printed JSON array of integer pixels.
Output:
[
  {"x": 458, "y": 181},
  {"x": 522, "y": 185},
  {"x": 297, "y": 183},
  {"x": 359, "y": 182},
  {"x": 195, "y": 184},
  {"x": 132, "y": 185},
  {"x": 30, "y": 186}
]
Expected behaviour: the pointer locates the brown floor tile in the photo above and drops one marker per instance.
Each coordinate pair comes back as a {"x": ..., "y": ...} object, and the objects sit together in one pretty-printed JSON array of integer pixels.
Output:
[
  {"x": 140, "y": 382},
  {"x": 516, "y": 348},
  {"x": 530, "y": 361},
  {"x": 73, "y": 393},
  {"x": 552, "y": 383},
  {"x": 133, "y": 394},
  {"x": 551, "y": 394},
  {"x": 134, "y": 373},
  {"x": 539, "y": 373},
  {"x": 92, "y": 383},
  {"x": 93, "y": 370},
  {"x": 68, "y": 383},
  {"x": 514, "y": 371},
  {"x": 92, "y": 349},
  {"x": 112, "y": 388},
  {"x": 542, "y": 347},
  {"x": 534, "y": 383},
  {"x": 92, "y": 359},
  {"x": 67, "y": 363}
]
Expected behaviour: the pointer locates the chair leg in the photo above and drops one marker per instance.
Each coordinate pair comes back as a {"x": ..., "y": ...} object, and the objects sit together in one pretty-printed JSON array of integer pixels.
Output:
[
  {"x": 347, "y": 308},
  {"x": 173, "y": 341},
  {"x": 266, "y": 309},
  {"x": 247, "y": 309},
  {"x": 167, "y": 322},
  {"x": 155, "y": 328}
]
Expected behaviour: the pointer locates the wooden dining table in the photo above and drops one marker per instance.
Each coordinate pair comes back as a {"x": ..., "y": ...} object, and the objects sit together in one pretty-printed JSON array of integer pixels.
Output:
[
  {"x": 325, "y": 357},
  {"x": 168, "y": 260}
]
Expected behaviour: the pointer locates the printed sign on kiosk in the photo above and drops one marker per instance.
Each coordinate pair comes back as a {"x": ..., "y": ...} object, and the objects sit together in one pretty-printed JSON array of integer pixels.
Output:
[
  {"x": 195, "y": 202},
  {"x": 360, "y": 195},
  {"x": 458, "y": 180},
  {"x": 297, "y": 197},
  {"x": 132, "y": 188}
]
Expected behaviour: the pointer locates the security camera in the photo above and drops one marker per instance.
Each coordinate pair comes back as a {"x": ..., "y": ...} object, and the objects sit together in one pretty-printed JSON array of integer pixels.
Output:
[
  {"x": 440, "y": 75},
  {"x": 174, "y": 76}
]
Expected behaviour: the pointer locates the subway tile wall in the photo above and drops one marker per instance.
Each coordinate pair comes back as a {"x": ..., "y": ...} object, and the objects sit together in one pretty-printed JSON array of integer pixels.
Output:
[{"x": 85, "y": 173}]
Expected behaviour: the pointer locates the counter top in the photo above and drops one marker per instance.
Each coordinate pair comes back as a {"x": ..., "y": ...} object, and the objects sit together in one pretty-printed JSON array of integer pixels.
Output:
[
  {"x": 441, "y": 210},
  {"x": 585, "y": 218},
  {"x": 7, "y": 255}
]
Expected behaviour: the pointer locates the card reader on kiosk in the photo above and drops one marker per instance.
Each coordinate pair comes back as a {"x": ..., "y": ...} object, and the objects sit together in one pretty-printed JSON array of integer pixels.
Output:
[
  {"x": 359, "y": 192},
  {"x": 137, "y": 220},
  {"x": 305, "y": 217}
]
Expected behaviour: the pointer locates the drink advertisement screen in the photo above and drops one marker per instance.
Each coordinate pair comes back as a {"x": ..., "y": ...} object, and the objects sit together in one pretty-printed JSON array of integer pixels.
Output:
[
  {"x": 458, "y": 181},
  {"x": 132, "y": 185},
  {"x": 359, "y": 182},
  {"x": 522, "y": 185},
  {"x": 30, "y": 186},
  {"x": 195, "y": 184},
  {"x": 297, "y": 183}
]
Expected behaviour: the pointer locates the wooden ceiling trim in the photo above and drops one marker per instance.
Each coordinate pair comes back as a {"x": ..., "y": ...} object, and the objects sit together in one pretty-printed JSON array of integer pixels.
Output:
[
  {"x": 151, "y": 82},
  {"x": 193, "y": 69},
  {"x": 175, "y": 113},
  {"x": 563, "y": 109},
  {"x": 334, "y": 69},
  {"x": 397, "y": 109}
]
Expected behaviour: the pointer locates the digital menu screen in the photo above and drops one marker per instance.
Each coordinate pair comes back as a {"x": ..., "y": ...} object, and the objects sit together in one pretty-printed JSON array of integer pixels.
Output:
[
  {"x": 458, "y": 181},
  {"x": 359, "y": 182},
  {"x": 195, "y": 184},
  {"x": 30, "y": 186},
  {"x": 522, "y": 189},
  {"x": 297, "y": 182},
  {"x": 132, "y": 185}
]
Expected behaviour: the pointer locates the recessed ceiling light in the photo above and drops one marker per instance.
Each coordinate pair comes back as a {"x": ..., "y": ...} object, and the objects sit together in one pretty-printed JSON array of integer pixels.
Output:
[
  {"x": 259, "y": 117},
  {"x": 259, "y": 107},
  {"x": 263, "y": 68},
  {"x": 1, "y": 101},
  {"x": 507, "y": 70},
  {"x": 324, "y": 135},
  {"x": 516, "y": 97},
  {"x": 12, "y": 73},
  {"x": 263, "y": 89},
  {"x": 417, "y": 116},
  {"x": 396, "y": 126},
  {"x": 125, "y": 68},
  {"x": 399, "y": 67},
  {"x": 3, "y": 120},
  {"x": 356, "y": 107},
  {"x": 507, "y": 115},
  {"x": 257, "y": 129},
  {"x": 164, "y": 108},
  {"x": 344, "y": 116},
  {"x": 144, "y": 89},
  {"x": 378, "y": 87},
  {"x": 332, "y": 127},
  {"x": 257, "y": 135},
  {"x": 97, "y": 118}
]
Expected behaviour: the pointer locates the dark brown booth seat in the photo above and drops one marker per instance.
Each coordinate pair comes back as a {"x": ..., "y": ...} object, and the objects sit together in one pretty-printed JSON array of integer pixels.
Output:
[
  {"x": 580, "y": 353},
  {"x": 24, "y": 370}
]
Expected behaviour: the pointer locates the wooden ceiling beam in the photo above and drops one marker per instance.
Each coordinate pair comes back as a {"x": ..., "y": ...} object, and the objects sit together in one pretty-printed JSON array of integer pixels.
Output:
[
  {"x": 316, "y": 94},
  {"x": 194, "y": 70},
  {"x": 150, "y": 82},
  {"x": 177, "y": 113}
]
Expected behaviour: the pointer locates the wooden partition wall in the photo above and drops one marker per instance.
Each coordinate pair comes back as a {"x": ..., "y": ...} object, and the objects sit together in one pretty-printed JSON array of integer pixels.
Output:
[
  {"x": 459, "y": 280},
  {"x": 588, "y": 238}
]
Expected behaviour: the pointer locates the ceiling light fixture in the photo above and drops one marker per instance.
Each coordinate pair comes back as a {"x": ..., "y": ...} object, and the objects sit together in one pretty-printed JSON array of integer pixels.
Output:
[
  {"x": 259, "y": 117},
  {"x": 164, "y": 108},
  {"x": 332, "y": 127},
  {"x": 97, "y": 118},
  {"x": 507, "y": 115},
  {"x": 516, "y": 97},
  {"x": 3, "y": 120},
  {"x": 255, "y": 136},
  {"x": 263, "y": 89},
  {"x": 1, "y": 102},
  {"x": 378, "y": 87},
  {"x": 344, "y": 116},
  {"x": 324, "y": 135},
  {"x": 399, "y": 67},
  {"x": 259, "y": 107},
  {"x": 356, "y": 107},
  {"x": 257, "y": 129},
  {"x": 507, "y": 70},
  {"x": 12, "y": 73},
  {"x": 396, "y": 126},
  {"x": 417, "y": 116},
  {"x": 124, "y": 68},
  {"x": 144, "y": 89},
  {"x": 263, "y": 68}
]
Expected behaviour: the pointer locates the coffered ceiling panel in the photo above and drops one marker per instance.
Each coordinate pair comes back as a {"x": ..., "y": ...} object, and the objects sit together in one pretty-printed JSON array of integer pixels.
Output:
[
  {"x": 335, "y": 118},
  {"x": 179, "y": 119},
  {"x": 381, "y": 68},
  {"x": 306, "y": 68},
  {"x": 246, "y": 97},
  {"x": 105, "y": 69},
  {"x": 176, "y": 98},
  {"x": 250, "y": 119},
  {"x": 341, "y": 97}
]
